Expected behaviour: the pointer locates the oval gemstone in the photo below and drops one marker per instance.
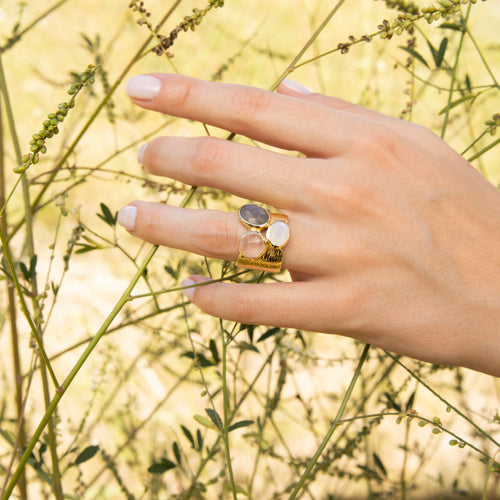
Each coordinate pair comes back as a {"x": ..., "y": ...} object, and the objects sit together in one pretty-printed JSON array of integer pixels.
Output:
[
  {"x": 253, "y": 215},
  {"x": 252, "y": 244},
  {"x": 278, "y": 233}
]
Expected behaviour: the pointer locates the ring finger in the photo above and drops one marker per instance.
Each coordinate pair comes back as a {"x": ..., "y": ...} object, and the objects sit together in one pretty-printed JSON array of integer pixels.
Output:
[{"x": 210, "y": 233}]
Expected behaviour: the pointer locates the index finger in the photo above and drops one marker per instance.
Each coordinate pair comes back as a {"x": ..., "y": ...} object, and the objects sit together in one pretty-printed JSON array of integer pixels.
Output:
[{"x": 278, "y": 120}]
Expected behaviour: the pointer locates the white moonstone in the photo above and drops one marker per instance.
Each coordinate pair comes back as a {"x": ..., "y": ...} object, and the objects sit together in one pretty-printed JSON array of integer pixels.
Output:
[
  {"x": 278, "y": 233},
  {"x": 252, "y": 244}
]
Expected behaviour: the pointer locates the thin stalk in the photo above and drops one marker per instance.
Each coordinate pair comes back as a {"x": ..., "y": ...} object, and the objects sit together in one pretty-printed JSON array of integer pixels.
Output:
[
  {"x": 91, "y": 119},
  {"x": 24, "y": 308},
  {"x": 30, "y": 245},
  {"x": 481, "y": 431},
  {"x": 71, "y": 376},
  {"x": 481, "y": 56},
  {"x": 14, "y": 334},
  {"x": 484, "y": 150},
  {"x": 42, "y": 16},
  {"x": 335, "y": 424},
  {"x": 292, "y": 66},
  {"x": 454, "y": 76},
  {"x": 3, "y": 235},
  {"x": 225, "y": 399}
]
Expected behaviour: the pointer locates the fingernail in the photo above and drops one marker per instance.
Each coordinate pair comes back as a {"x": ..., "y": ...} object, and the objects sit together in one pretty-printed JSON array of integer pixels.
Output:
[
  {"x": 140, "y": 153},
  {"x": 296, "y": 86},
  {"x": 126, "y": 217},
  {"x": 188, "y": 292},
  {"x": 143, "y": 87}
]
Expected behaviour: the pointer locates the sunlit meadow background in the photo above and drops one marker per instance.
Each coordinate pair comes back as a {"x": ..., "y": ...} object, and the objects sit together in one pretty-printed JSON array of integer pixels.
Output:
[{"x": 133, "y": 424}]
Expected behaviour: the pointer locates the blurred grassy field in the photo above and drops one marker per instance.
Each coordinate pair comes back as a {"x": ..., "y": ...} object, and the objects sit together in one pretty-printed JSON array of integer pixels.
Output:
[{"x": 133, "y": 384}]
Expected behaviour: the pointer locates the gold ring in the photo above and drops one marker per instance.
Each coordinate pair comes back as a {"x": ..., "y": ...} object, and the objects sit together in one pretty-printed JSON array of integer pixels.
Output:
[{"x": 261, "y": 246}]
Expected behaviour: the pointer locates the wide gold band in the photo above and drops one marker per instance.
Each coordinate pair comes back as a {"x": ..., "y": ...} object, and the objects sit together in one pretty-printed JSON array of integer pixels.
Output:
[{"x": 261, "y": 247}]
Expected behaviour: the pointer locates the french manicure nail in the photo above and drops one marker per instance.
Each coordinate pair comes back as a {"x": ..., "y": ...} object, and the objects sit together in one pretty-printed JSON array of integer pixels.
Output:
[
  {"x": 188, "y": 292},
  {"x": 126, "y": 217},
  {"x": 143, "y": 87},
  {"x": 140, "y": 153},
  {"x": 296, "y": 86}
]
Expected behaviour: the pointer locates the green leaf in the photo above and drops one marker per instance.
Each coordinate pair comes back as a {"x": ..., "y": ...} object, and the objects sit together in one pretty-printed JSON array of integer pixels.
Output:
[
  {"x": 177, "y": 452},
  {"x": 206, "y": 423},
  {"x": 457, "y": 103},
  {"x": 250, "y": 329},
  {"x": 237, "y": 489},
  {"x": 438, "y": 54},
  {"x": 86, "y": 454},
  {"x": 214, "y": 351},
  {"x": 452, "y": 26},
  {"x": 214, "y": 417},
  {"x": 378, "y": 464},
  {"x": 199, "y": 439},
  {"x": 160, "y": 467},
  {"x": 24, "y": 271},
  {"x": 188, "y": 435},
  {"x": 410, "y": 402},
  {"x": 171, "y": 271},
  {"x": 414, "y": 54},
  {"x": 468, "y": 83},
  {"x": 239, "y": 425},
  {"x": 32, "y": 271},
  {"x": 269, "y": 333},
  {"x": 107, "y": 216},
  {"x": 85, "y": 248},
  {"x": 245, "y": 346},
  {"x": 200, "y": 359},
  {"x": 442, "y": 49}
]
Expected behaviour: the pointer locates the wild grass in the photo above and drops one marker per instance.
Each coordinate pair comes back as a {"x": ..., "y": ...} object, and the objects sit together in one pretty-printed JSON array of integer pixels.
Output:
[{"x": 113, "y": 385}]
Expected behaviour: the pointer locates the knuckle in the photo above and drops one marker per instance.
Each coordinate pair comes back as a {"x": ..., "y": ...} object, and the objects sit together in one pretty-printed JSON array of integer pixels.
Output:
[
  {"x": 153, "y": 155},
  {"x": 179, "y": 92},
  {"x": 379, "y": 144},
  {"x": 350, "y": 307},
  {"x": 207, "y": 157},
  {"x": 217, "y": 237},
  {"x": 248, "y": 105},
  {"x": 246, "y": 307}
]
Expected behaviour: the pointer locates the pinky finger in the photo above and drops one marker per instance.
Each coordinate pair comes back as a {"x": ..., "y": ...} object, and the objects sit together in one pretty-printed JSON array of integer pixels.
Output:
[{"x": 287, "y": 305}]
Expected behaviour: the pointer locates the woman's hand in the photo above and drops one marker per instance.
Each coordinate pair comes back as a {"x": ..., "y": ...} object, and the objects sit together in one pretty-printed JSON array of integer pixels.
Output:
[{"x": 395, "y": 239}]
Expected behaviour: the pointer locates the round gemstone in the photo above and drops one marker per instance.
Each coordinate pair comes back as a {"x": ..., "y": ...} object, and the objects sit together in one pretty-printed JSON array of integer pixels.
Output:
[
  {"x": 252, "y": 244},
  {"x": 278, "y": 233},
  {"x": 253, "y": 215}
]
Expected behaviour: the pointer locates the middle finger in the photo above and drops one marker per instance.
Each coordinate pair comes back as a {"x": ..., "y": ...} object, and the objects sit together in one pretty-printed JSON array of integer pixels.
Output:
[{"x": 245, "y": 171}]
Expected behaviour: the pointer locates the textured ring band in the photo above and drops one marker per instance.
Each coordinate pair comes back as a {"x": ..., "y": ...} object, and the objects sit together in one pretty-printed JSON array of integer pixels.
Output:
[{"x": 261, "y": 247}]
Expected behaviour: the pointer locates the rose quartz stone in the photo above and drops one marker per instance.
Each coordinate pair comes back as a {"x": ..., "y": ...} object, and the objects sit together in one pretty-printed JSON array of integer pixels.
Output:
[{"x": 252, "y": 244}]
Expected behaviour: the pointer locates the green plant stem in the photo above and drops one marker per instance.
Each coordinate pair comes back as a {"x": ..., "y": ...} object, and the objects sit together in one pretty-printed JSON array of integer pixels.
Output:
[
  {"x": 447, "y": 403},
  {"x": 14, "y": 334},
  {"x": 74, "y": 371},
  {"x": 454, "y": 75},
  {"x": 4, "y": 239},
  {"x": 481, "y": 56},
  {"x": 293, "y": 65},
  {"x": 225, "y": 422},
  {"x": 33, "y": 23},
  {"x": 335, "y": 423},
  {"x": 30, "y": 246},
  {"x": 93, "y": 116},
  {"x": 484, "y": 150}
]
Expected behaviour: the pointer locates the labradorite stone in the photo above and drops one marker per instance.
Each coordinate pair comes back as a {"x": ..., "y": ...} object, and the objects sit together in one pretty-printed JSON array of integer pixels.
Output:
[{"x": 253, "y": 215}]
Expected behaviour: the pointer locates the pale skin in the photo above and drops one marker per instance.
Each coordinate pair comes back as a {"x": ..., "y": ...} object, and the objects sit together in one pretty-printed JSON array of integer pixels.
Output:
[{"x": 395, "y": 238}]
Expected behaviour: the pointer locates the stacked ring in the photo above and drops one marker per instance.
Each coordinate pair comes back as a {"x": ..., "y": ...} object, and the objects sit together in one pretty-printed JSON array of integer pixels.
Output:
[{"x": 261, "y": 247}]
